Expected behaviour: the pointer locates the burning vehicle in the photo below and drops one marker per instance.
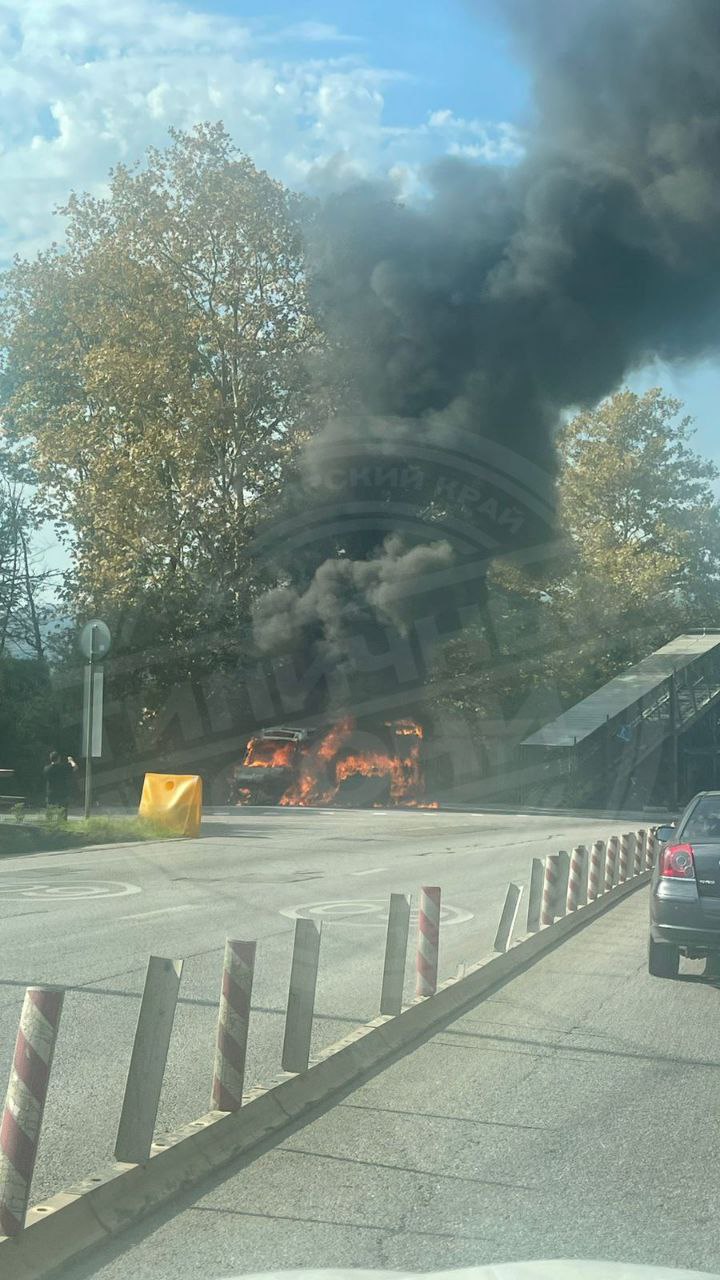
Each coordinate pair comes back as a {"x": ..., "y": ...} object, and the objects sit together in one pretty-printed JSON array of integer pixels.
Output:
[
  {"x": 345, "y": 764},
  {"x": 270, "y": 765}
]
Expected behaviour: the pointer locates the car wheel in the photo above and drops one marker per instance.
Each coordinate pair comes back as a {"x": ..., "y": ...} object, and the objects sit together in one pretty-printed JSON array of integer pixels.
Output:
[{"x": 663, "y": 959}]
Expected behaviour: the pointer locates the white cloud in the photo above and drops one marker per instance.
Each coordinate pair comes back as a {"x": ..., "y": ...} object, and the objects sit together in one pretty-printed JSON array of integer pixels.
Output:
[
  {"x": 478, "y": 139},
  {"x": 316, "y": 32},
  {"x": 83, "y": 86}
]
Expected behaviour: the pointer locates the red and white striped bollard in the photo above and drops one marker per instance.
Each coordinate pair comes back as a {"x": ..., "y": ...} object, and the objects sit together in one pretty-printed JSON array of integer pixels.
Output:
[
  {"x": 233, "y": 1021},
  {"x": 627, "y": 853},
  {"x": 547, "y": 910},
  {"x": 640, "y": 843},
  {"x": 426, "y": 961},
  {"x": 576, "y": 879},
  {"x": 25, "y": 1102},
  {"x": 597, "y": 869},
  {"x": 611, "y": 855}
]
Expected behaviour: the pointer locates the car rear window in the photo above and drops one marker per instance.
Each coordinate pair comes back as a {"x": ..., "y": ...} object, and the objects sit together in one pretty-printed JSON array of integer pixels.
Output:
[{"x": 704, "y": 821}]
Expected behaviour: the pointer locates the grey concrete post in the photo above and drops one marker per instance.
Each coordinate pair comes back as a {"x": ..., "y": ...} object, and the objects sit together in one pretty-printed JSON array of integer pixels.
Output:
[
  {"x": 301, "y": 996},
  {"x": 147, "y": 1063},
  {"x": 396, "y": 944},
  {"x": 537, "y": 876},
  {"x": 503, "y": 937}
]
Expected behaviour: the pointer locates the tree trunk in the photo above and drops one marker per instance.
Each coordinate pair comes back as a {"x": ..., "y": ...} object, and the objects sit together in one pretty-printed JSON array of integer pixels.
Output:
[
  {"x": 10, "y": 597},
  {"x": 29, "y": 591}
]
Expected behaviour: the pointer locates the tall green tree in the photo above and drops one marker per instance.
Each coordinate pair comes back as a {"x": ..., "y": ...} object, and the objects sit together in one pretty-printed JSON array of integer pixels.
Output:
[
  {"x": 24, "y": 582},
  {"x": 639, "y": 507},
  {"x": 157, "y": 365},
  {"x": 641, "y": 563}
]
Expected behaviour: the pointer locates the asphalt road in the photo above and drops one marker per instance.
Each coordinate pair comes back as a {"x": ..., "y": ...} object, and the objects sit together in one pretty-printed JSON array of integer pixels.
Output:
[
  {"x": 89, "y": 920},
  {"x": 574, "y": 1114}
]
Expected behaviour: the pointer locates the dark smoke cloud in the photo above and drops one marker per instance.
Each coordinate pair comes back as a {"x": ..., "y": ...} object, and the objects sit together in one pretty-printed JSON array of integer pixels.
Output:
[
  {"x": 506, "y": 295},
  {"x": 345, "y": 596}
]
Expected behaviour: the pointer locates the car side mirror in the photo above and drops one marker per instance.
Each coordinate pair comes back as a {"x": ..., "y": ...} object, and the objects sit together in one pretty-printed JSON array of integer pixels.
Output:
[{"x": 663, "y": 834}]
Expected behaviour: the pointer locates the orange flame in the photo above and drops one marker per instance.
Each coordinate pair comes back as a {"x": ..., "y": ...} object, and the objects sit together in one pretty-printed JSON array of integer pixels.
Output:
[
  {"x": 324, "y": 768},
  {"x": 263, "y": 753},
  {"x": 316, "y": 784}
]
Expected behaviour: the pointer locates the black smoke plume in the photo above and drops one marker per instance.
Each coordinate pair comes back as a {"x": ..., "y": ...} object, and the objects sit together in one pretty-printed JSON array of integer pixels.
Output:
[{"x": 463, "y": 324}]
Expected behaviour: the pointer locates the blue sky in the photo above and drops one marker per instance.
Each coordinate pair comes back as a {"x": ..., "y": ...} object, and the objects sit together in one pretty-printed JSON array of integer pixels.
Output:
[
  {"x": 451, "y": 51},
  {"x": 375, "y": 86}
]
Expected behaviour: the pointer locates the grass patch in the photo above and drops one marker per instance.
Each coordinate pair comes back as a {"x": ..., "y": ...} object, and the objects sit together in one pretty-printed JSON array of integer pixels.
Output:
[{"x": 33, "y": 834}]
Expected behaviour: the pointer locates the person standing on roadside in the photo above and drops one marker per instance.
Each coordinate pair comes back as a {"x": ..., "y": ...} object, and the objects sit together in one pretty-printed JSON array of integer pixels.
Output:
[{"x": 58, "y": 779}]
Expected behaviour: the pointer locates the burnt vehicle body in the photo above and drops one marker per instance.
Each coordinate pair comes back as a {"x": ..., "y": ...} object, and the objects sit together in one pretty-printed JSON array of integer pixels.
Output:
[
  {"x": 346, "y": 764},
  {"x": 270, "y": 764}
]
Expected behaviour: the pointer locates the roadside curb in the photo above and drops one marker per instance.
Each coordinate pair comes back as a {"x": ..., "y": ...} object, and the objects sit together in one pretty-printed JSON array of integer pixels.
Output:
[
  {"x": 99, "y": 1207},
  {"x": 451, "y": 806},
  {"x": 539, "y": 811},
  {"x": 90, "y": 848}
]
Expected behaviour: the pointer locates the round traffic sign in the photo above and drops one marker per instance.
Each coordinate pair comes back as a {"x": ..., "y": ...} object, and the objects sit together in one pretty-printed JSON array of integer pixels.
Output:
[{"x": 95, "y": 639}]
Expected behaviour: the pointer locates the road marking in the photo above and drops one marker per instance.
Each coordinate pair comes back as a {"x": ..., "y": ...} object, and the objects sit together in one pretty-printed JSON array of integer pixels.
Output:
[
  {"x": 372, "y": 871},
  {"x": 366, "y": 911},
  {"x": 64, "y": 889},
  {"x": 163, "y": 911}
]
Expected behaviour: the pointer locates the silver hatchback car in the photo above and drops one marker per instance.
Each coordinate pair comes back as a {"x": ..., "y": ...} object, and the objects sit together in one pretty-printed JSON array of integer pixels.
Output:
[{"x": 685, "y": 889}]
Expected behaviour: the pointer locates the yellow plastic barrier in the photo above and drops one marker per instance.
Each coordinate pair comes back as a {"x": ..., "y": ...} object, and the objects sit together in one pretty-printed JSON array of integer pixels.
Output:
[{"x": 174, "y": 800}]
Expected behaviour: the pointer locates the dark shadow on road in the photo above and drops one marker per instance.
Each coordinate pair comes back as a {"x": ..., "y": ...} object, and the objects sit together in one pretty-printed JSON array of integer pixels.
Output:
[
  {"x": 437, "y": 1115},
  {"x": 280, "y": 813},
  {"x": 525, "y": 1048},
  {"x": 402, "y": 1168},
  {"x": 388, "y": 1230},
  {"x": 254, "y": 826}
]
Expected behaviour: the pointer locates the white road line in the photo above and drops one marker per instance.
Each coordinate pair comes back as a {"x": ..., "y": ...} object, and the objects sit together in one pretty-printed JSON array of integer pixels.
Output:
[
  {"x": 372, "y": 871},
  {"x": 164, "y": 911}
]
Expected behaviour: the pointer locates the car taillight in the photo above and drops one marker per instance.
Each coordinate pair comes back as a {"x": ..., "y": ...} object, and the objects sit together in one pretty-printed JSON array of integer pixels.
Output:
[{"x": 677, "y": 860}]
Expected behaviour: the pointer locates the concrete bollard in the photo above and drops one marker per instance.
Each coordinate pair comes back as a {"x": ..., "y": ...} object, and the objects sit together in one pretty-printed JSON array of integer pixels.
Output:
[
  {"x": 301, "y": 996},
  {"x": 611, "y": 862},
  {"x": 396, "y": 942},
  {"x": 578, "y": 878},
  {"x": 549, "y": 892},
  {"x": 563, "y": 880},
  {"x": 426, "y": 963},
  {"x": 537, "y": 877},
  {"x": 503, "y": 937},
  {"x": 650, "y": 846},
  {"x": 596, "y": 871},
  {"x": 147, "y": 1062},
  {"x": 233, "y": 1023},
  {"x": 25, "y": 1102},
  {"x": 640, "y": 843},
  {"x": 627, "y": 856}
]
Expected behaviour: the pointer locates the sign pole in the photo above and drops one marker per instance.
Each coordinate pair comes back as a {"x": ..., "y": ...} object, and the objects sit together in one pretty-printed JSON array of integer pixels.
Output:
[
  {"x": 95, "y": 642},
  {"x": 89, "y": 725}
]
